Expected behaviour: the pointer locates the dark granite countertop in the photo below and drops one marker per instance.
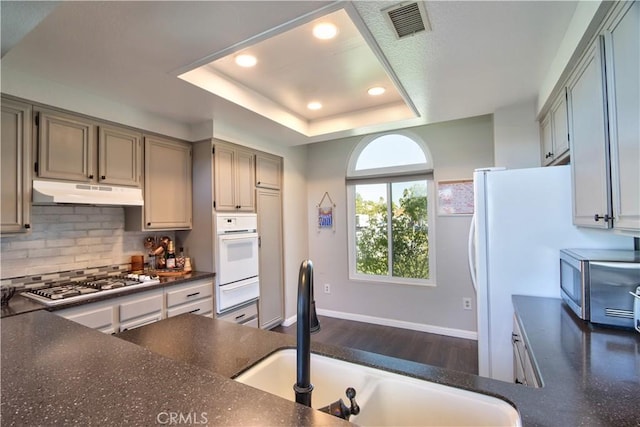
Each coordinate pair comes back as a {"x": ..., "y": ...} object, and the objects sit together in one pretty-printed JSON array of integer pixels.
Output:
[
  {"x": 57, "y": 372},
  {"x": 590, "y": 374},
  {"x": 20, "y": 304}
]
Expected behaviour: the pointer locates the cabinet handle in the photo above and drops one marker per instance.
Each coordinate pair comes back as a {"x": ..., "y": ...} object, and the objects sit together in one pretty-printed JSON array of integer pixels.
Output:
[
  {"x": 606, "y": 218},
  {"x": 193, "y": 295},
  {"x": 91, "y": 176},
  {"x": 195, "y": 311},
  {"x": 259, "y": 182},
  {"x": 27, "y": 226},
  {"x": 103, "y": 177},
  {"x": 241, "y": 316},
  {"x": 148, "y": 224}
]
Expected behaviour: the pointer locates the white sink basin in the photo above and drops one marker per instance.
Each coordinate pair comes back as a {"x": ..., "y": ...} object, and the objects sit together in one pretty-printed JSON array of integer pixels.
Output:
[{"x": 385, "y": 398}]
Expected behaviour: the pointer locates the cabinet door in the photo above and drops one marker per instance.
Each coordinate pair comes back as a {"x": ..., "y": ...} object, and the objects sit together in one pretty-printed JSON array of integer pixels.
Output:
[
  {"x": 245, "y": 181},
  {"x": 560, "y": 126},
  {"x": 224, "y": 180},
  {"x": 589, "y": 147},
  {"x": 66, "y": 147},
  {"x": 268, "y": 171},
  {"x": 167, "y": 187},
  {"x": 119, "y": 156},
  {"x": 546, "y": 135},
  {"x": 16, "y": 167},
  {"x": 623, "y": 71},
  {"x": 271, "y": 303}
]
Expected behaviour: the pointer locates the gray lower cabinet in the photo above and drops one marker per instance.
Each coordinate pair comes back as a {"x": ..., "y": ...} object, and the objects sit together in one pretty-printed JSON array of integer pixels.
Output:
[
  {"x": 133, "y": 311},
  {"x": 271, "y": 303},
  {"x": 16, "y": 167},
  {"x": 193, "y": 297},
  {"x": 246, "y": 315}
]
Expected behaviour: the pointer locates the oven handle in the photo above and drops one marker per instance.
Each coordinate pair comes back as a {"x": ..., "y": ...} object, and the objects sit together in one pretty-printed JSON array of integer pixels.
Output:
[
  {"x": 225, "y": 288},
  {"x": 238, "y": 236}
]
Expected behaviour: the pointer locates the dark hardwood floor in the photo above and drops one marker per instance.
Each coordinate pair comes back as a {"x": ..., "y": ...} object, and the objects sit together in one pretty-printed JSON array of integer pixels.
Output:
[{"x": 447, "y": 352}]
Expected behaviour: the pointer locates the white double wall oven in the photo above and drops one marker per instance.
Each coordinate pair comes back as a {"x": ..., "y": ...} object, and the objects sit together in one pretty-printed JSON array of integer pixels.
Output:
[{"x": 237, "y": 279}]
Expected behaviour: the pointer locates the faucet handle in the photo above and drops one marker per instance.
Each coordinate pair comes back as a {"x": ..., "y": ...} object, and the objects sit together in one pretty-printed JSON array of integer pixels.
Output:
[
  {"x": 340, "y": 410},
  {"x": 351, "y": 394}
]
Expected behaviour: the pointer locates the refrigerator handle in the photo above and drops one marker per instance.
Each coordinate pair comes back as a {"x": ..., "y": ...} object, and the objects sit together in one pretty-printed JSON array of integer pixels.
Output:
[{"x": 471, "y": 252}]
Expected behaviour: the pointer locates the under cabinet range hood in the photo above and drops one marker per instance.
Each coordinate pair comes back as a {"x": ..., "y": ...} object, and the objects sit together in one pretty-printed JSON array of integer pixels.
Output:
[{"x": 51, "y": 192}]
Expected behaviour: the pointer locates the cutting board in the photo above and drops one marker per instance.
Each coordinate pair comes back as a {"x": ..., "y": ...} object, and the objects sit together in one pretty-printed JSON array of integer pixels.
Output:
[{"x": 167, "y": 273}]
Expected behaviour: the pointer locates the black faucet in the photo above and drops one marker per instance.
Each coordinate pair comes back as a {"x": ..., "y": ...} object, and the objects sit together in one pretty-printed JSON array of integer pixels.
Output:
[{"x": 306, "y": 324}]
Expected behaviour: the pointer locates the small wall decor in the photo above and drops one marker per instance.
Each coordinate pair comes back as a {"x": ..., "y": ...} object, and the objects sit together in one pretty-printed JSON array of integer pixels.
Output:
[
  {"x": 455, "y": 197},
  {"x": 325, "y": 213}
]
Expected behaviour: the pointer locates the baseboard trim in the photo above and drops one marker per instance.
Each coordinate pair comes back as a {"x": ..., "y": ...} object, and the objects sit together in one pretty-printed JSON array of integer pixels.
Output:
[
  {"x": 289, "y": 321},
  {"x": 456, "y": 333}
]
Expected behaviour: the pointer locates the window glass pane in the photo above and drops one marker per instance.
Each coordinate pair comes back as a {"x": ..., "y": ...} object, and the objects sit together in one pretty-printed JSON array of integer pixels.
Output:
[
  {"x": 372, "y": 254},
  {"x": 410, "y": 242},
  {"x": 390, "y": 150}
]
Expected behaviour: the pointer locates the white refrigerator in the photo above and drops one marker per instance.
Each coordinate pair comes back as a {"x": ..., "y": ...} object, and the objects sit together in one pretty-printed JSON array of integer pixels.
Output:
[{"x": 522, "y": 218}]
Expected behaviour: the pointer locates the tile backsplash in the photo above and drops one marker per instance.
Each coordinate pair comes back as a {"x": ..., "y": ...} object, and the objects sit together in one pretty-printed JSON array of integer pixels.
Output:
[{"x": 69, "y": 238}]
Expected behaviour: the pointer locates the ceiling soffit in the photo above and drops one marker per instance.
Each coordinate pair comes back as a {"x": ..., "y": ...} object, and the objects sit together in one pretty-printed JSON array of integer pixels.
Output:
[{"x": 294, "y": 69}]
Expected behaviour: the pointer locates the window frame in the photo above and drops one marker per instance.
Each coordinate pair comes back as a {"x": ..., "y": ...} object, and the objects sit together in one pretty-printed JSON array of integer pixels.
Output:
[{"x": 389, "y": 175}]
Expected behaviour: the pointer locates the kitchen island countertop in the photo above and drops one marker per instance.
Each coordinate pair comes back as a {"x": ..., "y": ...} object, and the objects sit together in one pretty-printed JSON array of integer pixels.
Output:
[{"x": 55, "y": 371}]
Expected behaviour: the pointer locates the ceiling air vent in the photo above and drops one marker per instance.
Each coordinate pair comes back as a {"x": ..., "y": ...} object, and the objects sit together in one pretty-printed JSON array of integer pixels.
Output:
[{"x": 407, "y": 19}]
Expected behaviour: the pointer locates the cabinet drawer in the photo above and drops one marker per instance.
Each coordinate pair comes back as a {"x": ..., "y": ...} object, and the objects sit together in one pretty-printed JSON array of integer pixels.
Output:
[
  {"x": 203, "y": 306},
  {"x": 190, "y": 293},
  {"x": 147, "y": 320},
  {"x": 98, "y": 318},
  {"x": 241, "y": 315},
  {"x": 141, "y": 306}
]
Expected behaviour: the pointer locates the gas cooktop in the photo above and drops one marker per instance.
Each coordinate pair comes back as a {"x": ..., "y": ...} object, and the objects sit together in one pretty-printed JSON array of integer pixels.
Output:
[{"x": 70, "y": 291}]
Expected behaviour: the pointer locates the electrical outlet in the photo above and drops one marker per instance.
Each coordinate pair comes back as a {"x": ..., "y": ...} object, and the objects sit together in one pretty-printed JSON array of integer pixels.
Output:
[
  {"x": 466, "y": 303},
  {"x": 327, "y": 288}
]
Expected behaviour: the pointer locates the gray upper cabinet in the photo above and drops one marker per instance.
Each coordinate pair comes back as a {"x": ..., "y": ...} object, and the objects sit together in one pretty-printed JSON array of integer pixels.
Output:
[
  {"x": 589, "y": 148},
  {"x": 16, "y": 167},
  {"x": 66, "y": 146},
  {"x": 268, "y": 171},
  {"x": 119, "y": 156},
  {"x": 555, "y": 133},
  {"x": 167, "y": 189},
  {"x": 622, "y": 47},
  {"x": 605, "y": 127},
  {"x": 234, "y": 178},
  {"x": 75, "y": 148}
]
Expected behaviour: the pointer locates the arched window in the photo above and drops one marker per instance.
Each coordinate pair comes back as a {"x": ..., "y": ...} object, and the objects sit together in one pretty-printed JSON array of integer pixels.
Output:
[{"x": 389, "y": 186}]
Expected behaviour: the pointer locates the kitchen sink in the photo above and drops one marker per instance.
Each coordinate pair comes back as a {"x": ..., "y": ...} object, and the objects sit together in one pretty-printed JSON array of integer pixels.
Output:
[{"x": 385, "y": 398}]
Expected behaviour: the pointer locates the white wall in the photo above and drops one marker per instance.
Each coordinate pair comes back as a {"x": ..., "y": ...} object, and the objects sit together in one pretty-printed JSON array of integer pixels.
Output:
[
  {"x": 579, "y": 30},
  {"x": 517, "y": 136},
  {"x": 457, "y": 147}
]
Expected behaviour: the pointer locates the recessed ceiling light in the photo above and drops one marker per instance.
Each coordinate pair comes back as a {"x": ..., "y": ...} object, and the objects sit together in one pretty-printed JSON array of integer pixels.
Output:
[
  {"x": 246, "y": 60},
  {"x": 376, "y": 90},
  {"x": 314, "y": 105},
  {"x": 325, "y": 31}
]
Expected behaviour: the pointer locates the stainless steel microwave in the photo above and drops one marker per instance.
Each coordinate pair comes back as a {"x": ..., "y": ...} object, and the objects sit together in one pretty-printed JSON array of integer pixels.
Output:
[{"x": 595, "y": 284}]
